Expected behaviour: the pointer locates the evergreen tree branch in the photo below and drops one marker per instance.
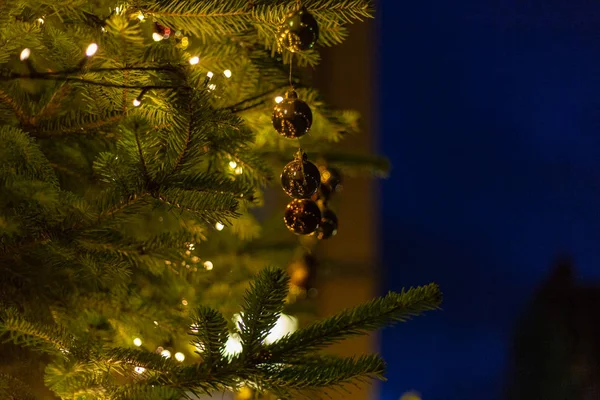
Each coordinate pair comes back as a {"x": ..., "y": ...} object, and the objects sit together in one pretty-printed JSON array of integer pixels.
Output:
[
  {"x": 210, "y": 333},
  {"x": 262, "y": 305},
  {"x": 394, "y": 307}
]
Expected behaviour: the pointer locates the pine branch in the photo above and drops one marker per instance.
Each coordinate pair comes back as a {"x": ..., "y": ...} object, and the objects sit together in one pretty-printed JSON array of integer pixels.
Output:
[
  {"x": 395, "y": 307},
  {"x": 262, "y": 305},
  {"x": 210, "y": 333}
]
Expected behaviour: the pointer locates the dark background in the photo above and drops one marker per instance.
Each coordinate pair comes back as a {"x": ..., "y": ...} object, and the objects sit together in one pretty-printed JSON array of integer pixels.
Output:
[{"x": 490, "y": 113}]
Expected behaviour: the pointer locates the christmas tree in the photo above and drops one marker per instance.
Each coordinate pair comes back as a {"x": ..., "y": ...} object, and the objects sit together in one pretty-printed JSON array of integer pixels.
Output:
[{"x": 138, "y": 141}]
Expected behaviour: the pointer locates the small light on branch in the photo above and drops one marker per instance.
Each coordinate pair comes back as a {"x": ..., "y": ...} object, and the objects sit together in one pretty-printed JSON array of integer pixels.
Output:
[
  {"x": 208, "y": 265},
  {"x": 239, "y": 170},
  {"x": 194, "y": 60},
  {"x": 278, "y": 99},
  {"x": 136, "y": 102},
  {"x": 157, "y": 37},
  {"x": 232, "y": 164},
  {"x": 219, "y": 226},
  {"x": 227, "y": 73},
  {"x": 137, "y": 341},
  {"x": 179, "y": 356},
  {"x": 165, "y": 353},
  {"x": 140, "y": 370},
  {"x": 209, "y": 74},
  {"x": 140, "y": 16},
  {"x": 91, "y": 49},
  {"x": 41, "y": 20},
  {"x": 25, "y": 54}
]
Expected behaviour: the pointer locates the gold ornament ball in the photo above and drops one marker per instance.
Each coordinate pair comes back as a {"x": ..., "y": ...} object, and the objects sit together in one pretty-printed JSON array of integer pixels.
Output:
[
  {"x": 292, "y": 117},
  {"x": 302, "y": 216},
  {"x": 300, "y": 179},
  {"x": 299, "y": 32}
]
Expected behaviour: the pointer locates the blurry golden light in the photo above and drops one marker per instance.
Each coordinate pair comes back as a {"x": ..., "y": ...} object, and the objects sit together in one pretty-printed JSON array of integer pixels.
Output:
[
  {"x": 208, "y": 265},
  {"x": 239, "y": 170},
  {"x": 209, "y": 74},
  {"x": 227, "y": 73},
  {"x": 232, "y": 164},
  {"x": 194, "y": 60},
  {"x": 165, "y": 353},
  {"x": 179, "y": 356},
  {"x": 136, "y": 102},
  {"x": 91, "y": 49},
  {"x": 184, "y": 302},
  {"x": 140, "y": 370},
  {"x": 140, "y": 16},
  {"x": 411, "y": 396},
  {"x": 25, "y": 54},
  {"x": 219, "y": 226},
  {"x": 137, "y": 341},
  {"x": 157, "y": 37},
  {"x": 278, "y": 99}
]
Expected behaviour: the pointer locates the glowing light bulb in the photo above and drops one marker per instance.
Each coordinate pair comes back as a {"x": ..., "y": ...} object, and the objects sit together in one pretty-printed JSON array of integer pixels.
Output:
[
  {"x": 91, "y": 49},
  {"x": 209, "y": 74},
  {"x": 194, "y": 60},
  {"x": 285, "y": 324},
  {"x": 156, "y": 323},
  {"x": 117, "y": 10},
  {"x": 239, "y": 170},
  {"x": 157, "y": 37},
  {"x": 233, "y": 345},
  {"x": 208, "y": 265},
  {"x": 212, "y": 86},
  {"x": 184, "y": 302},
  {"x": 137, "y": 341},
  {"x": 227, "y": 73},
  {"x": 41, "y": 20},
  {"x": 191, "y": 246},
  {"x": 136, "y": 102},
  {"x": 219, "y": 226},
  {"x": 232, "y": 164},
  {"x": 140, "y": 370},
  {"x": 278, "y": 99},
  {"x": 140, "y": 16},
  {"x": 165, "y": 353},
  {"x": 25, "y": 54},
  {"x": 179, "y": 356}
]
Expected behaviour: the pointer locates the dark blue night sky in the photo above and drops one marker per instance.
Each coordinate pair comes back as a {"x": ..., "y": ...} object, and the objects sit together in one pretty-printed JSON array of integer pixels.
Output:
[{"x": 490, "y": 113}]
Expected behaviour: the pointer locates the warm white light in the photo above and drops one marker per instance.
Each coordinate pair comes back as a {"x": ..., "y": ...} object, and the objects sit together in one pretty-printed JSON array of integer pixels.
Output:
[
  {"x": 233, "y": 345},
  {"x": 184, "y": 302},
  {"x": 232, "y": 164},
  {"x": 194, "y": 60},
  {"x": 91, "y": 49},
  {"x": 140, "y": 370},
  {"x": 208, "y": 265},
  {"x": 103, "y": 29},
  {"x": 117, "y": 10},
  {"x": 165, "y": 353},
  {"x": 40, "y": 20},
  {"x": 285, "y": 324},
  {"x": 137, "y": 341},
  {"x": 278, "y": 99},
  {"x": 179, "y": 356},
  {"x": 157, "y": 37},
  {"x": 212, "y": 86},
  {"x": 209, "y": 74},
  {"x": 136, "y": 102},
  {"x": 239, "y": 170},
  {"x": 219, "y": 226},
  {"x": 191, "y": 246},
  {"x": 227, "y": 73},
  {"x": 25, "y": 54},
  {"x": 156, "y": 323},
  {"x": 140, "y": 16}
]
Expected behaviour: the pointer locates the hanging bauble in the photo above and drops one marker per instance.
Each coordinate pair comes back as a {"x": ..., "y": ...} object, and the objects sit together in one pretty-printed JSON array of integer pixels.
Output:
[
  {"x": 292, "y": 117},
  {"x": 302, "y": 216},
  {"x": 300, "y": 178},
  {"x": 299, "y": 31},
  {"x": 328, "y": 225},
  {"x": 331, "y": 181}
]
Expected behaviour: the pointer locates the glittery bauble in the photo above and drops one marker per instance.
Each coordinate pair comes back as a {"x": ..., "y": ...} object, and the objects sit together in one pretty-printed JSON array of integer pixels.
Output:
[
  {"x": 292, "y": 117},
  {"x": 302, "y": 216},
  {"x": 328, "y": 225},
  {"x": 300, "y": 178},
  {"x": 299, "y": 32}
]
